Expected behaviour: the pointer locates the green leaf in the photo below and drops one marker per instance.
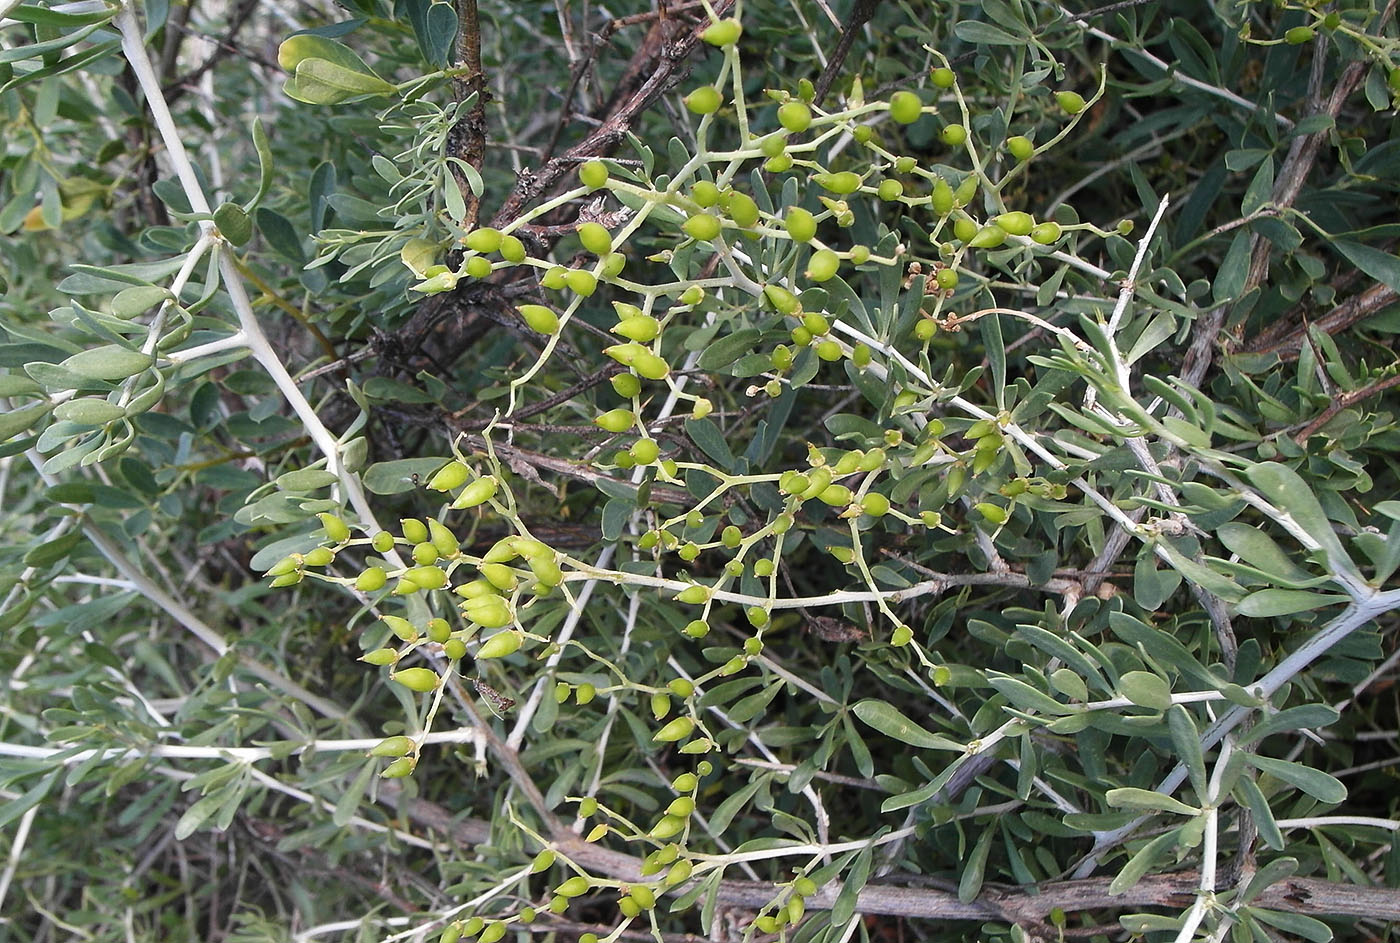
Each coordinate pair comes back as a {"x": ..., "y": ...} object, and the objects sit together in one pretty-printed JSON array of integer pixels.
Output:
[
  {"x": 1285, "y": 602},
  {"x": 1383, "y": 266},
  {"x": 306, "y": 479},
  {"x": 986, "y": 34},
  {"x": 1297, "y": 924},
  {"x": 1141, "y": 862},
  {"x": 1284, "y": 488},
  {"x": 15, "y": 421},
  {"x": 885, "y": 718},
  {"x": 1321, "y": 786},
  {"x": 1302, "y": 717},
  {"x": 845, "y": 905},
  {"x": 724, "y": 813},
  {"x": 88, "y": 411},
  {"x": 1146, "y": 689},
  {"x": 297, "y": 49},
  {"x": 1187, "y": 741},
  {"x": 728, "y": 349},
  {"x": 108, "y": 362},
  {"x": 1229, "y": 280},
  {"x": 970, "y": 883},
  {"x": 349, "y": 802},
  {"x": 396, "y": 477},
  {"x": 234, "y": 224},
  {"x": 706, "y": 434},
  {"x": 264, "y": 148},
  {"x": 322, "y": 82},
  {"x": 1277, "y": 870},
  {"x": 1147, "y": 800},
  {"x": 1260, "y": 551}
]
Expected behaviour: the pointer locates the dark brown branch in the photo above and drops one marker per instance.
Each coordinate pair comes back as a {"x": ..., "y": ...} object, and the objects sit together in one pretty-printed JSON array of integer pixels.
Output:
[
  {"x": 861, "y": 12},
  {"x": 177, "y": 89},
  {"x": 468, "y": 137},
  {"x": 1341, "y": 403}
]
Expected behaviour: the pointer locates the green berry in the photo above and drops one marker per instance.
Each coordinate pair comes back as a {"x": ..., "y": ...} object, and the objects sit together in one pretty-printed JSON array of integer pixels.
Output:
[
  {"x": 478, "y": 266},
  {"x": 705, "y": 100},
  {"x": 1020, "y": 147},
  {"x": 941, "y": 199},
  {"x": 1046, "y": 233},
  {"x": 824, "y": 263},
  {"x": 743, "y": 210},
  {"x": 539, "y": 318},
  {"x": 593, "y": 174},
  {"x": 615, "y": 420},
  {"x": 595, "y": 238},
  {"x": 483, "y": 240},
  {"x": 645, "y": 451},
  {"x": 1015, "y": 223},
  {"x": 947, "y": 279},
  {"x": 905, "y": 107},
  {"x": 1299, "y": 35},
  {"x": 581, "y": 281},
  {"x": 795, "y": 116},
  {"x": 1071, "y": 102},
  {"x": 800, "y": 224},
  {"x": 702, "y": 227},
  {"x": 942, "y": 77},
  {"x": 843, "y": 183},
  {"x": 890, "y": 190},
  {"x": 512, "y": 249},
  {"x": 705, "y": 194},
  {"x": 723, "y": 33},
  {"x": 954, "y": 135}
]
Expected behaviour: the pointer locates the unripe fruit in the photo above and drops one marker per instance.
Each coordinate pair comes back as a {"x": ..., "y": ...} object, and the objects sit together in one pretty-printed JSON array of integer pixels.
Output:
[
  {"x": 451, "y": 933},
  {"x": 680, "y": 871},
  {"x": 380, "y": 657},
  {"x": 967, "y": 190},
  {"x": 668, "y": 827},
  {"x": 650, "y": 366},
  {"x": 595, "y": 238},
  {"x": 697, "y": 628},
  {"x": 615, "y": 420},
  {"x": 830, "y": 351},
  {"x": 1332, "y": 20},
  {"x": 905, "y": 107},
  {"x": 454, "y": 649},
  {"x": 573, "y": 887},
  {"x": 554, "y": 278},
  {"x": 861, "y": 355},
  {"x": 837, "y": 496},
  {"x": 1072, "y": 102},
  {"x": 842, "y": 183},
  {"x": 320, "y": 556},
  {"x": 438, "y": 630},
  {"x": 925, "y": 329},
  {"x": 993, "y": 513},
  {"x": 954, "y": 135},
  {"x": 795, "y": 116},
  {"x": 645, "y": 451},
  {"x": 660, "y": 705},
  {"x": 723, "y": 33},
  {"x": 781, "y": 299},
  {"x": 626, "y": 385},
  {"x": 398, "y": 769},
  {"x": 500, "y": 645},
  {"x": 947, "y": 279},
  {"x": 702, "y": 408},
  {"x": 875, "y": 504},
  {"x": 702, "y": 227},
  {"x": 421, "y": 680},
  {"x": 988, "y": 237},
  {"x": 678, "y": 729},
  {"x": 476, "y": 493},
  {"x": 942, "y": 77},
  {"x": 512, "y": 249},
  {"x": 443, "y": 539},
  {"x": 425, "y": 553},
  {"x": 1020, "y": 147},
  {"x": 704, "y": 100},
  {"x": 744, "y": 211},
  {"x": 483, "y": 240},
  {"x": 452, "y": 475},
  {"x": 705, "y": 194},
  {"x": 804, "y": 886},
  {"x": 890, "y": 190},
  {"x": 800, "y": 224},
  {"x": 478, "y": 266},
  {"x": 393, "y": 746},
  {"x": 644, "y": 896},
  {"x": 774, "y": 145},
  {"x": 413, "y": 530},
  {"x": 500, "y": 576},
  {"x": 371, "y": 580},
  {"x": 629, "y": 908},
  {"x": 426, "y": 577},
  {"x": 941, "y": 199},
  {"x": 763, "y": 568},
  {"x": 585, "y": 693},
  {"x": 335, "y": 529},
  {"x": 816, "y": 323},
  {"x": 581, "y": 281},
  {"x": 473, "y": 926},
  {"x": 1299, "y": 35},
  {"x": 543, "y": 861},
  {"x": 1393, "y": 79},
  {"x": 593, "y": 174},
  {"x": 1046, "y": 233},
  {"x": 1015, "y": 223}
]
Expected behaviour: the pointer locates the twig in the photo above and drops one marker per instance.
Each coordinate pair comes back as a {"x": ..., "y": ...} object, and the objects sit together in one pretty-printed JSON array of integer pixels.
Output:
[{"x": 1342, "y": 402}]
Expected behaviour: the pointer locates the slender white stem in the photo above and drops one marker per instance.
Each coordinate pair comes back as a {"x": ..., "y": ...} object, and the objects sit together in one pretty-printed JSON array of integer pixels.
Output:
[
  {"x": 1330, "y": 821},
  {"x": 231, "y": 342},
  {"x": 241, "y": 754}
]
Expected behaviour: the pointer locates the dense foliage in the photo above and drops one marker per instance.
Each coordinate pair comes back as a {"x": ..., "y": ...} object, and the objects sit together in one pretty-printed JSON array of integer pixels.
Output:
[{"x": 763, "y": 470}]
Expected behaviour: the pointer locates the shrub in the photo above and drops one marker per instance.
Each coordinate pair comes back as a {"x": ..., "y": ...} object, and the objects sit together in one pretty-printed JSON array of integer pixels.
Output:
[{"x": 708, "y": 470}]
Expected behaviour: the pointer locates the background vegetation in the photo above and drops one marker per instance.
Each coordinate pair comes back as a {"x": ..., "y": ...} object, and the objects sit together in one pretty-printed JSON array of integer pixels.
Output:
[{"x": 897, "y": 470}]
